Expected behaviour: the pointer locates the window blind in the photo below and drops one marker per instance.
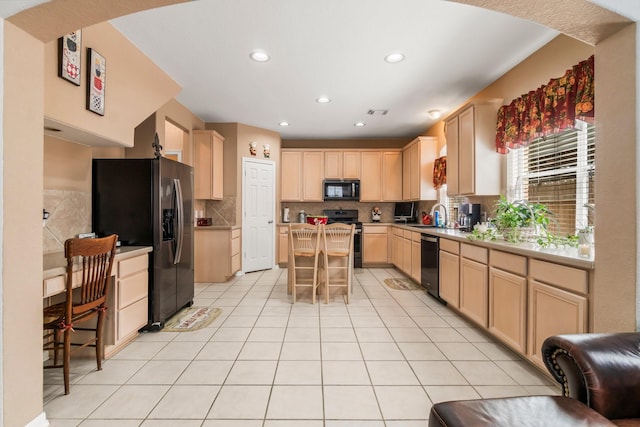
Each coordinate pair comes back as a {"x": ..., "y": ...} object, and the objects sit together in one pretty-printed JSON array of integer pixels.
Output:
[{"x": 559, "y": 172}]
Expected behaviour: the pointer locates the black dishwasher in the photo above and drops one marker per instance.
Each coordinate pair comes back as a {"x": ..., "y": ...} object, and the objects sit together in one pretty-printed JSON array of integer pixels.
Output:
[{"x": 429, "y": 270}]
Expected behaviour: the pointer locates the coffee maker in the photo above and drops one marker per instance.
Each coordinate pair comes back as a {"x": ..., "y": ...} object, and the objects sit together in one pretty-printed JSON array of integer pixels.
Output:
[{"x": 469, "y": 215}]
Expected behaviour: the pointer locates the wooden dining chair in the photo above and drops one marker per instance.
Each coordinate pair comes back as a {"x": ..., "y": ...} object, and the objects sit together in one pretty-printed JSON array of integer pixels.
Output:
[
  {"x": 337, "y": 254},
  {"x": 304, "y": 249},
  {"x": 84, "y": 300}
]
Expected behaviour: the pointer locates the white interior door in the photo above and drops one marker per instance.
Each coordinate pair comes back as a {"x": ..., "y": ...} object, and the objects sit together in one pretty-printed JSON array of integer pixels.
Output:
[{"x": 258, "y": 220}]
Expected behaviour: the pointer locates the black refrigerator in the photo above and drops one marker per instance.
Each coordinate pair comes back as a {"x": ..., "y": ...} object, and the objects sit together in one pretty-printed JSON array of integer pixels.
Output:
[{"x": 149, "y": 202}]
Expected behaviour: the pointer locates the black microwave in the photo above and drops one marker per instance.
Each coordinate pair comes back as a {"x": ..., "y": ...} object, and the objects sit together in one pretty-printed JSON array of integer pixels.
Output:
[{"x": 341, "y": 190}]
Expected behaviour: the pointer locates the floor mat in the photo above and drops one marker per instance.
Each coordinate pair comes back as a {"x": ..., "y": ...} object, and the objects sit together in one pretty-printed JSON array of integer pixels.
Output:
[
  {"x": 402, "y": 284},
  {"x": 191, "y": 319}
]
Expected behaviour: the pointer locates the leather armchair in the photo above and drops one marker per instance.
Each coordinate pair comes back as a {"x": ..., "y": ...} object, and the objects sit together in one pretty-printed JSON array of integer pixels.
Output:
[{"x": 600, "y": 370}]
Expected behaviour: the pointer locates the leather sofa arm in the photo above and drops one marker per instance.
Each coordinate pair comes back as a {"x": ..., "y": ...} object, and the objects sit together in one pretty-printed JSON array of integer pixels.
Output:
[{"x": 600, "y": 370}]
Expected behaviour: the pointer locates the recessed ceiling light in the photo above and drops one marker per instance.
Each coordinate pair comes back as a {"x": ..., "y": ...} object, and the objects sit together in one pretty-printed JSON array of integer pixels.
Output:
[
  {"x": 283, "y": 123},
  {"x": 259, "y": 56},
  {"x": 395, "y": 57},
  {"x": 359, "y": 124},
  {"x": 435, "y": 114},
  {"x": 323, "y": 100}
]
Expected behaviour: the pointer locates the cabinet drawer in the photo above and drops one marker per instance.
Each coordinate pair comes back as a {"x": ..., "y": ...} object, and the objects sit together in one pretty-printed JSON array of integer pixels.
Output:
[
  {"x": 235, "y": 233},
  {"x": 568, "y": 278},
  {"x": 132, "y": 318},
  {"x": 374, "y": 229},
  {"x": 407, "y": 234},
  {"x": 235, "y": 246},
  {"x": 132, "y": 288},
  {"x": 54, "y": 285},
  {"x": 450, "y": 246},
  {"x": 133, "y": 265},
  {"x": 509, "y": 262},
  {"x": 415, "y": 236},
  {"x": 235, "y": 263},
  {"x": 475, "y": 253}
]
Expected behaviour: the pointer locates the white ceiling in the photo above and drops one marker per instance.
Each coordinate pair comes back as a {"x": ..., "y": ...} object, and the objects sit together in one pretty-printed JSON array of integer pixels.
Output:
[{"x": 331, "y": 48}]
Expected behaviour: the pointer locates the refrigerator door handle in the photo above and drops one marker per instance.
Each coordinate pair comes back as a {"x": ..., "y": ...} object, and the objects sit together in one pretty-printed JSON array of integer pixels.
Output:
[{"x": 180, "y": 220}]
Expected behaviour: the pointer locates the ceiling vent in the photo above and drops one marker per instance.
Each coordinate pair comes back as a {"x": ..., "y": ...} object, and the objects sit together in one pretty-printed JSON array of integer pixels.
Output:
[{"x": 377, "y": 112}]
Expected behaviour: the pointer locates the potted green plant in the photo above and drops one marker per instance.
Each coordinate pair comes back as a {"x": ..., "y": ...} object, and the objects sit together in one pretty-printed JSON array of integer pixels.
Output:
[{"x": 520, "y": 220}]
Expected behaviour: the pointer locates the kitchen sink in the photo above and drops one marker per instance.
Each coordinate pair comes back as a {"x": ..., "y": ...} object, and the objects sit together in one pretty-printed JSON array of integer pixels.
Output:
[{"x": 421, "y": 226}]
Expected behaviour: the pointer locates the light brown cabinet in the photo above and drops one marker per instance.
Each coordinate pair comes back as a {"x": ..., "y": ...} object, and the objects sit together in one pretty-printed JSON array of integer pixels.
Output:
[
  {"x": 449, "y": 272},
  {"x": 283, "y": 245},
  {"x": 381, "y": 177},
  {"x": 302, "y": 175},
  {"x": 474, "y": 283},
  {"x": 557, "y": 304},
  {"x": 375, "y": 247},
  {"x": 208, "y": 164},
  {"x": 473, "y": 165},
  {"x": 396, "y": 247},
  {"x": 417, "y": 169},
  {"x": 217, "y": 254},
  {"x": 508, "y": 299},
  {"x": 416, "y": 257},
  {"x": 342, "y": 164}
]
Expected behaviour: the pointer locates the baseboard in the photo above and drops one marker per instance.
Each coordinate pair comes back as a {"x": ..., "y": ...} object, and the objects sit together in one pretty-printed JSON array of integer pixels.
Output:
[{"x": 39, "y": 421}]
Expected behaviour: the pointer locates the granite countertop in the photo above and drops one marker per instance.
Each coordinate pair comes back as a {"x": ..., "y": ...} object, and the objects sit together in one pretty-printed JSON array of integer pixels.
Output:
[
  {"x": 566, "y": 256},
  {"x": 55, "y": 264}
]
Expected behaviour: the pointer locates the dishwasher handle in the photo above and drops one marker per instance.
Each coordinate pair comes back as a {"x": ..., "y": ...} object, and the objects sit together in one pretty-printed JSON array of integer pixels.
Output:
[{"x": 429, "y": 239}]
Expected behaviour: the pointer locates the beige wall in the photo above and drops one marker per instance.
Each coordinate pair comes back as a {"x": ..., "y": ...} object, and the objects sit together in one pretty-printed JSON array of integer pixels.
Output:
[
  {"x": 130, "y": 76},
  {"x": 22, "y": 227}
]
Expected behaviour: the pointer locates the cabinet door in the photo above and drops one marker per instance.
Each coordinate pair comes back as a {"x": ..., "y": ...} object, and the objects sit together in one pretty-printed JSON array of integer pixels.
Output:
[
  {"x": 217, "y": 165},
  {"x": 415, "y": 162},
  {"x": 391, "y": 176},
  {"x": 333, "y": 164},
  {"x": 449, "y": 271},
  {"x": 290, "y": 175},
  {"x": 283, "y": 245},
  {"x": 375, "y": 248},
  {"x": 351, "y": 165},
  {"x": 474, "y": 290},
  {"x": 370, "y": 180},
  {"x": 507, "y": 308},
  {"x": 416, "y": 259},
  {"x": 406, "y": 255},
  {"x": 552, "y": 311},
  {"x": 466, "y": 153},
  {"x": 451, "y": 134},
  {"x": 312, "y": 176},
  {"x": 406, "y": 174},
  {"x": 203, "y": 166},
  {"x": 396, "y": 248}
]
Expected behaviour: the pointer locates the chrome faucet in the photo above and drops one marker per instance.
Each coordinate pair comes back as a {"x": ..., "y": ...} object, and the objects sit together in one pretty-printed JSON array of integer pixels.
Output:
[{"x": 433, "y": 209}]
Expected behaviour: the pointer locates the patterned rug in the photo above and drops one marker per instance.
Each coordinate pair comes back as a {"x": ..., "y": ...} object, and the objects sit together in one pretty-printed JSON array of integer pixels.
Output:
[
  {"x": 402, "y": 284},
  {"x": 191, "y": 319}
]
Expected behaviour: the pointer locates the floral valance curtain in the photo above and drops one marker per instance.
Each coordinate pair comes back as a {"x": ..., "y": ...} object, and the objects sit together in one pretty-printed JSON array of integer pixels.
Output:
[
  {"x": 547, "y": 110},
  {"x": 440, "y": 172}
]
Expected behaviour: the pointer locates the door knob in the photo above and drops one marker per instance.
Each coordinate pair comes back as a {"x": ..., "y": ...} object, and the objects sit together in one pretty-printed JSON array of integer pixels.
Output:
[{"x": 270, "y": 221}]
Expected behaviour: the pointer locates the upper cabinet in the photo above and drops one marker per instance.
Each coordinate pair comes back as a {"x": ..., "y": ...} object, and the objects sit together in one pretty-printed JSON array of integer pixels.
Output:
[
  {"x": 473, "y": 165},
  {"x": 208, "y": 164},
  {"x": 417, "y": 169},
  {"x": 302, "y": 173},
  {"x": 381, "y": 178},
  {"x": 342, "y": 164}
]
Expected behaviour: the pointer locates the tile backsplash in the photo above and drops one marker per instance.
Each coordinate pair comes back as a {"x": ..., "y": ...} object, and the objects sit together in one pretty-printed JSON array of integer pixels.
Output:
[{"x": 69, "y": 215}]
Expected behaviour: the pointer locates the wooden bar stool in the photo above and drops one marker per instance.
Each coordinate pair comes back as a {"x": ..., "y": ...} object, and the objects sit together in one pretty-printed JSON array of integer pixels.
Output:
[
  {"x": 304, "y": 243},
  {"x": 337, "y": 254}
]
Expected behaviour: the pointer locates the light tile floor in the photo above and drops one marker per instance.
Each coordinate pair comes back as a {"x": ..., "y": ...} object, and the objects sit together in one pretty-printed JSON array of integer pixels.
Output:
[{"x": 379, "y": 361}]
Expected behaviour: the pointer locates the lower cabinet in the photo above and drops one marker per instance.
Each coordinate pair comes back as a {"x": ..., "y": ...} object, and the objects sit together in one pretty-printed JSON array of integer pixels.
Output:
[
  {"x": 449, "y": 271},
  {"x": 217, "y": 254},
  {"x": 557, "y": 304},
  {"x": 129, "y": 298},
  {"x": 375, "y": 245},
  {"x": 416, "y": 257},
  {"x": 508, "y": 299},
  {"x": 283, "y": 245},
  {"x": 474, "y": 286}
]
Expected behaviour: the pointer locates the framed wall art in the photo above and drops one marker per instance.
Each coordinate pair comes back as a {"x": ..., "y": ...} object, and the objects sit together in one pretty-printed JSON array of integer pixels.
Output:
[
  {"x": 70, "y": 56},
  {"x": 96, "y": 78}
]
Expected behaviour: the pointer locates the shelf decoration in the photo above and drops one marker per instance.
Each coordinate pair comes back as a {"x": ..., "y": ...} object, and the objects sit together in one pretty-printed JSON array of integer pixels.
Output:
[
  {"x": 96, "y": 78},
  {"x": 69, "y": 57}
]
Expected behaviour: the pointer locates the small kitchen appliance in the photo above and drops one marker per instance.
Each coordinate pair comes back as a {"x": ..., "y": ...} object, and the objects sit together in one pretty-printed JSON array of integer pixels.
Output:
[
  {"x": 469, "y": 216},
  {"x": 285, "y": 215}
]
